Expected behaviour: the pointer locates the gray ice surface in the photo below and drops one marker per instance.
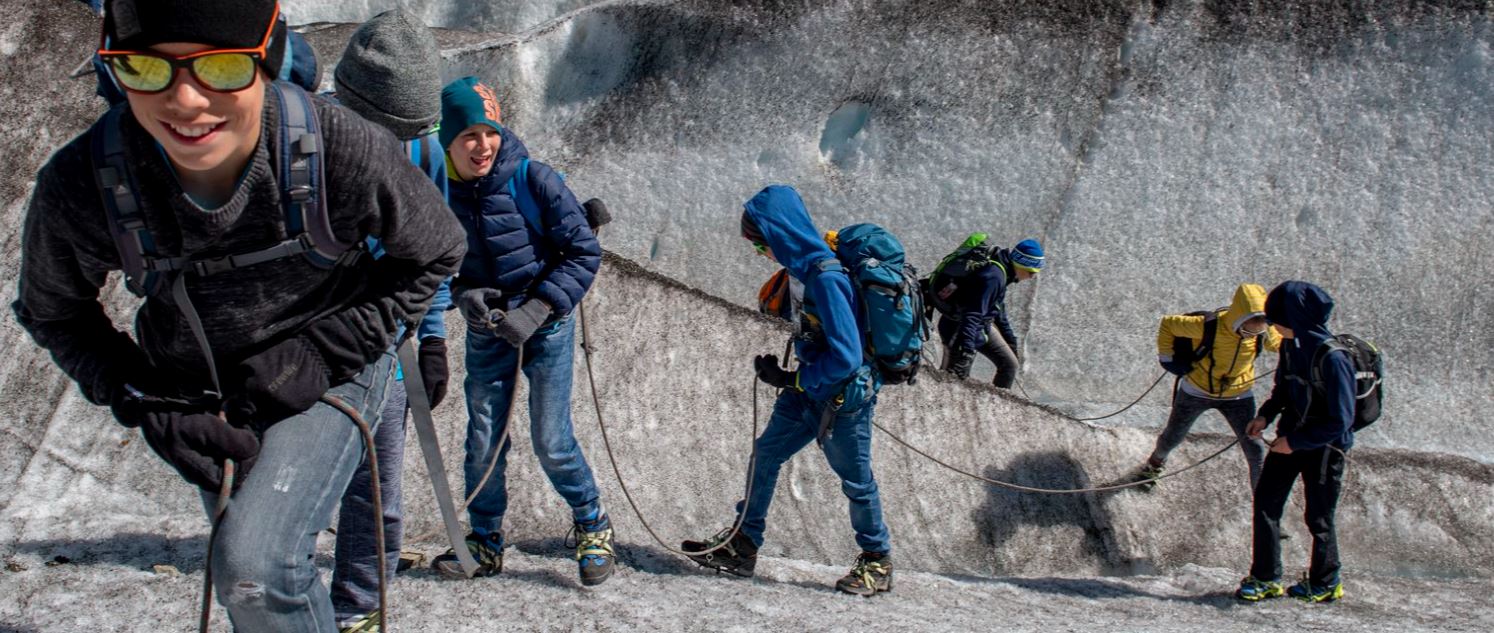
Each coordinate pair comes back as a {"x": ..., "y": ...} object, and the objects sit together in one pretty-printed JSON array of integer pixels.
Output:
[{"x": 1164, "y": 153}]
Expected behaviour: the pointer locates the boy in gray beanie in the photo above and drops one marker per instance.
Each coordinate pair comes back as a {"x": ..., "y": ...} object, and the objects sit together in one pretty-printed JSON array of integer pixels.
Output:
[{"x": 390, "y": 75}]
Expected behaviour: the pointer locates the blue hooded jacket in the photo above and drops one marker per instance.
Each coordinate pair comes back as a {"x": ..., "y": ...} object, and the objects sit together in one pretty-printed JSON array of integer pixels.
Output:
[
  {"x": 827, "y": 363},
  {"x": 1310, "y": 419},
  {"x": 504, "y": 252}
]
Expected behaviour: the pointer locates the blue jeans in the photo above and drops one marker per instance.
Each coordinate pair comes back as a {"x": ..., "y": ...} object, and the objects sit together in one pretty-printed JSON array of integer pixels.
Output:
[
  {"x": 795, "y": 422},
  {"x": 490, "y": 386},
  {"x": 355, "y": 575},
  {"x": 263, "y": 568}
]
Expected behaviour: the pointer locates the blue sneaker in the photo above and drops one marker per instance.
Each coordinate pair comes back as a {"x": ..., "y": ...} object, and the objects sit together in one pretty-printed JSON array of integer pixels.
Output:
[
  {"x": 595, "y": 558},
  {"x": 1308, "y": 592},
  {"x": 1253, "y": 589}
]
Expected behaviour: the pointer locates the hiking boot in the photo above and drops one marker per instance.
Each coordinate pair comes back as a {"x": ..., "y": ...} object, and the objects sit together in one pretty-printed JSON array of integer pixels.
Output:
[
  {"x": 1150, "y": 473},
  {"x": 737, "y": 557},
  {"x": 488, "y": 550},
  {"x": 1253, "y": 589},
  {"x": 1308, "y": 592},
  {"x": 371, "y": 623},
  {"x": 871, "y": 574},
  {"x": 594, "y": 555}
]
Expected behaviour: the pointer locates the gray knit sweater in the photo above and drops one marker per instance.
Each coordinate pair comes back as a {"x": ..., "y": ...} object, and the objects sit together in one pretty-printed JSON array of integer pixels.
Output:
[{"x": 348, "y": 313}]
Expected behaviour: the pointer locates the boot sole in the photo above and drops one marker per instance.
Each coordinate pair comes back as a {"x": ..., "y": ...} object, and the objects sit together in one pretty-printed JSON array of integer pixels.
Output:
[
  {"x": 453, "y": 570},
  {"x": 707, "y": 563},
  {"x": 865, "y": 592}
]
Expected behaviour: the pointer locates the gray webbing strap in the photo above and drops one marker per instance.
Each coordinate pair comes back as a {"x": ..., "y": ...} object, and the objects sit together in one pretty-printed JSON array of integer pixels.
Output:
[
  {"x": 184, "y": 303},
  {"x": 430, "y": 448}
]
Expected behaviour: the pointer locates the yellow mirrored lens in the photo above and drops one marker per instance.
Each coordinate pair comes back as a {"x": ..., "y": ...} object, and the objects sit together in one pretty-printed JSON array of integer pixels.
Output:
[
  {"x": 141, "y": 72},
  {"x": 224, "y": 71}
]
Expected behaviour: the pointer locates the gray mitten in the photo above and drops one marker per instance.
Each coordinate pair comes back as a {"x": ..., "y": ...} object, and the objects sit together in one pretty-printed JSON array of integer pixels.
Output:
[{"x": 520, "y": 324}]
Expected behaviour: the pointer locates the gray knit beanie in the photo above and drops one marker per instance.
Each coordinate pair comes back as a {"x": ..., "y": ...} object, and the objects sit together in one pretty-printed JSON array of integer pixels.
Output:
[{"x": 391, "y": 74}]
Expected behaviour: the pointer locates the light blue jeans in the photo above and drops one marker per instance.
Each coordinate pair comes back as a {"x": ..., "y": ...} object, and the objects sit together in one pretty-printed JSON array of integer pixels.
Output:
[
  {"x": 490, "y": 386},
  {"x": 263, "y": 568},
  {"x": 795, "y": 422}
]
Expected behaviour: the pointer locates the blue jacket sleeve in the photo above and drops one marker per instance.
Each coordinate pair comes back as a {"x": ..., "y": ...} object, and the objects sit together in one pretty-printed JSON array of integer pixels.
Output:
[
  {"x": 575, "y": 253},
  {"x": 434, "y": 323},
  {"x": 1338, "y": 410},
  {"x": 821, "y": 376}
]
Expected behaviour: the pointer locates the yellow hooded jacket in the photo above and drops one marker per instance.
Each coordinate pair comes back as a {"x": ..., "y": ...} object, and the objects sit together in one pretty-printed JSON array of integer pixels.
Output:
[{"x": 1229, "y": 370}]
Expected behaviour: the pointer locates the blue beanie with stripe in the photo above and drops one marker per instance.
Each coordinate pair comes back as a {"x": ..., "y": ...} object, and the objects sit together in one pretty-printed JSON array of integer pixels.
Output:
[{"x": 1028, "y": 254}]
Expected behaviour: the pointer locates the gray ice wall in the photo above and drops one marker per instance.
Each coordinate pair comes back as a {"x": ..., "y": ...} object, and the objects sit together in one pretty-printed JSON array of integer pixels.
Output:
[{"x": 1163, "y": 152}]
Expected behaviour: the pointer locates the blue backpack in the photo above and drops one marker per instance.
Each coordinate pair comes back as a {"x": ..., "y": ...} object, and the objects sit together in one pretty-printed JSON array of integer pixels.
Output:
[{"x": 891, "y": 304}]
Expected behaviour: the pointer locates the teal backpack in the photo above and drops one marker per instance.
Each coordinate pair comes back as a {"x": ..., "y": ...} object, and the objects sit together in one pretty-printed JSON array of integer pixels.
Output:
[{"x": 895, "y": 329}]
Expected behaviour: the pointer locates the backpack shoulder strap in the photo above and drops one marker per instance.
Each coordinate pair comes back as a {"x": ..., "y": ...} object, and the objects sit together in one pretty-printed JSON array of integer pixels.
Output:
[
  {"x": 117, "y": 188},
  {"x": 301, "y": 171},
  {"x": 518, "y": 187}
]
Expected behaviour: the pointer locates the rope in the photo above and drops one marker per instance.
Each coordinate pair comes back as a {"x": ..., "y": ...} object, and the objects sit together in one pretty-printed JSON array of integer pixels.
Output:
[
  {"x": 622, "y": 483},
  {"x": 1012, "y": 486},
  {"x": 1139, "y": 398},
  {"x": 503, "y": 440},
  {"x": 225, "y": 489},
  {"x": 378, "y": 502}
]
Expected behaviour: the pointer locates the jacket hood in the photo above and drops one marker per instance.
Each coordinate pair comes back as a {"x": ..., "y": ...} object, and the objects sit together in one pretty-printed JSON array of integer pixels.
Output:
[
  {"x": 1249, "y": 302},
  {"x": 787, "y": 229},
  {"x": 510, "y": 153},
  {"x": 1305, "y": 309}
]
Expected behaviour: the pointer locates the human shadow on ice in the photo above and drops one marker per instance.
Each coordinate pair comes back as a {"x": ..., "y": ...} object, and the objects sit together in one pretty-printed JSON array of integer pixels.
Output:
[{"x": 127, "y": 549}]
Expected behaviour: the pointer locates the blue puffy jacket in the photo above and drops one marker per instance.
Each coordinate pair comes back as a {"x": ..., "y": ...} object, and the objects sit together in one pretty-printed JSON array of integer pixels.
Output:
[
  {"x": 554, "y": 263},
  {"x": 1309, "y": 418},
  {"x": 829, "y": 361}
]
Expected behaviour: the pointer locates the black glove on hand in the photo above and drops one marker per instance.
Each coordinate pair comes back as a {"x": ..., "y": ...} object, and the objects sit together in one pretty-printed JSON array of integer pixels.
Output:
[
  {"x": 433, "y": 371},
  {"x": 960, "y": 361},
  {"x": 597, "y": 215},
  {"x": 195, "y": 444},
  {"x": 480, "y": 307},
  {"x": 770, "y": 373},
  {"x": 276, "y": 384},
  {"x": 518, "y": 325},
  {"x": 134, "y": 408},
  {"x": 1177, "y": 367}
]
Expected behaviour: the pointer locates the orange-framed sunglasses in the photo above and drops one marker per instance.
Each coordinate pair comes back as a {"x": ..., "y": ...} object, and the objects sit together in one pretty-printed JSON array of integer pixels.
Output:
[{"x": 218, "y": 70}]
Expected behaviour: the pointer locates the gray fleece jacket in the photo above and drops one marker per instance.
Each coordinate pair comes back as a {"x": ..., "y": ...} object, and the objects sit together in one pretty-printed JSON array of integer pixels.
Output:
[{"x": 349, "y": 314}]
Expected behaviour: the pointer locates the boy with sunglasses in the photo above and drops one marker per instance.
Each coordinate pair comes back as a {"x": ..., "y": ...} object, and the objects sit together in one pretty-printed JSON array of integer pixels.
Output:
[
  {"x": 201, "y": 136},
  {"x": 830, "y": 397},
  {"x": 973, "y": 312}
]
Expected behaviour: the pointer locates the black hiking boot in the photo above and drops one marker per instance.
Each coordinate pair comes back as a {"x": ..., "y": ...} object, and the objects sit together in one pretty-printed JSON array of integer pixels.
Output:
[
  {"x": 872, "y": 574},
  {"x": 488, "y": 550},
  {"x": 737, "y": 557}
]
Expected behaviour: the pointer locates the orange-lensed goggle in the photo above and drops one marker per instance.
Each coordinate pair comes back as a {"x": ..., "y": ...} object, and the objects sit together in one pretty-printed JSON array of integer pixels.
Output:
[{"x": 219, "y": 70}]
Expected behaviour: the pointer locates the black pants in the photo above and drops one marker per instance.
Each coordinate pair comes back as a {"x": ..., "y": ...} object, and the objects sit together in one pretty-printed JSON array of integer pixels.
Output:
[{"x": 1322, "y": 473}]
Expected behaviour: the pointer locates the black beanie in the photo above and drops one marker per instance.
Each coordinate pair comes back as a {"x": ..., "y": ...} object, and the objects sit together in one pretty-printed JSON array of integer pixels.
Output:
[{"x": 136, "y": 25}]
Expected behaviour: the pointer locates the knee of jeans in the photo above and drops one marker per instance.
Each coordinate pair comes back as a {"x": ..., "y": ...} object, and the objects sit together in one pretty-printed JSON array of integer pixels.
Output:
[
  {"x": 859, "y": 490},
  {"x": 245, "y": 574},
  {"x": 556, "y": 452}
]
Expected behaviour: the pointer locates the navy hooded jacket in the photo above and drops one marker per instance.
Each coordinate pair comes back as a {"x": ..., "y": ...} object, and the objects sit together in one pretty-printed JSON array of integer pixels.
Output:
[
  {"x": 555, "y": 263},
  {"x": 827, "y": 363},
  {"x": 980, "y": 299},
  {"x": 1309, "y": 418}
]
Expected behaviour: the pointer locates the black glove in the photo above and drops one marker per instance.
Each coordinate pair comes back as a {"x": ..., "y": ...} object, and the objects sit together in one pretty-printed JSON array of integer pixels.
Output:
[
  {"x": 433, "y": 371},
  {"x": 770, "y": 373},
  {"x": 277, "y": 383},
  {"x": 1178, "y": 367},
  {"x": 480, "y": 307},
  {"x": 596, "y": 213},
  {"x": 960, "y": 361},
  {"x": 134, "y": 408},
  {"x": 195, "y": 444},
  {"x": 518, "y": 325}
]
